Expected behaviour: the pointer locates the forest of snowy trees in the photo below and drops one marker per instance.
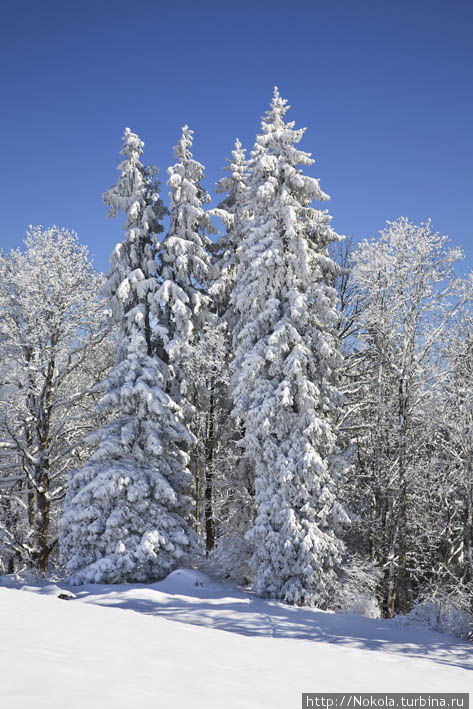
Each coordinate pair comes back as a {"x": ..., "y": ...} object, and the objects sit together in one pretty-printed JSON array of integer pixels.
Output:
[{"x": 245, "y": 386}]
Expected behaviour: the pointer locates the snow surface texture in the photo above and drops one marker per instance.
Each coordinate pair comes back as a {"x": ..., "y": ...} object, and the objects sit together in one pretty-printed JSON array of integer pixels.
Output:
[{"x": 56, "y": 653}]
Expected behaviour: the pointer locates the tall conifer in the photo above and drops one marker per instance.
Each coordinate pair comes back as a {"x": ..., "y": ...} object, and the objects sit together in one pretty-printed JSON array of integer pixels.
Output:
[
  {"x": 286, "y": 356},
  {"x": 127, "y": 510}
]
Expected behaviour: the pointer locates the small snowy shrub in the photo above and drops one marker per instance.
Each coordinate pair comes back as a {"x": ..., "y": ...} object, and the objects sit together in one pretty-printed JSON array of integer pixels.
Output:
[
  {"x": 445, "y": 614},
  {"x": 231, "y": 557},
  {"x": 357, "y": 590}
]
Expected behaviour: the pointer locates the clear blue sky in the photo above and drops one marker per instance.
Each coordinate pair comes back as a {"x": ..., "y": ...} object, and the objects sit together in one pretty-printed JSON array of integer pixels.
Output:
[{"x": 385, "y": 89}]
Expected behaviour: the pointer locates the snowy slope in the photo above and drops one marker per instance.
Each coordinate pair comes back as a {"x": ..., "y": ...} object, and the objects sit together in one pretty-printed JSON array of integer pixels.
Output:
[{"x": 69, "y": 654}]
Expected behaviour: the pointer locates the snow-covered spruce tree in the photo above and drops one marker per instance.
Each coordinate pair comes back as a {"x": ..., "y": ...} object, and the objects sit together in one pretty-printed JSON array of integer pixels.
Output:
[
  {"x": 232, "y": 478},
  {"x": 231, "y": 211},
  {"x": 128, "y": 512},
  {"x": 185, "y": 257},
  {"x": 183, "y": 293},
  {"x": 286, "y": 356}
]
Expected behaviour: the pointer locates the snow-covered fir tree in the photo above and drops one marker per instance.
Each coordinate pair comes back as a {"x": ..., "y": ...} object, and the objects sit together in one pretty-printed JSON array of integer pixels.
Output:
[
  {"x": 185, "y": 303},
  {"x": 231, "y": 211},
  {"x": 128, "y": 512},
  {"x": 284, "y": 365},
  {"x": 233, "y": 479},
  {"x": 185, "y": 260}
]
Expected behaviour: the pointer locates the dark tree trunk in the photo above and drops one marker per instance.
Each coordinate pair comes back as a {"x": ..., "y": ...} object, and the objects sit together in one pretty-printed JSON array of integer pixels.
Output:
[
  {"x": 43, "y": 505},
  {"x": 209, "y": 517}
]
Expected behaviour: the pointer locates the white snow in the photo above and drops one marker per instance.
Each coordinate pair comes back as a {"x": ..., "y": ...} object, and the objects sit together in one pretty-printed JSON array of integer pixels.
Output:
[
  {"x": 118, "y": 646},
  {"x": 285, "y": 350}
]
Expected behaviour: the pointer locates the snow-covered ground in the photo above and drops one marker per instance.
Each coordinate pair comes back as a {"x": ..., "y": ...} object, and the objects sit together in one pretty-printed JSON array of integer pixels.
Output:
[{"x": 120, "y": 647}]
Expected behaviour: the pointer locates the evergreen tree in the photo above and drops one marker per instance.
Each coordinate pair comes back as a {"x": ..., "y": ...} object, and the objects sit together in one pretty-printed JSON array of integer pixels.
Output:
[
  {"x": 286, "y": 356},
  {"x": 185, "y": 305},
  {"x": 234, "y": 475},
  {"x": 231, "y": 212},
  {"x": 185, "y": 257},
  {"x": 127, "y": 514}
]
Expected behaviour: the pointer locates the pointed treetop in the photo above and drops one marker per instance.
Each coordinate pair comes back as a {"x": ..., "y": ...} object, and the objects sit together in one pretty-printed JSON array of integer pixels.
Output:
[
  {"x": 132, "y": 145},
  {"x": 277, "y": 100},
  {"x": 236, "y": 166},
  {"x": 273, "y": 119},
  {"x": 238, "y": 157},
  {"x": 182, "y": 149},
  {"x": 277, "y": 110},
  {"x": 135, "y": 185},
  {"x": 238, "y": 148},
  {"x": 279, "y": 138}
]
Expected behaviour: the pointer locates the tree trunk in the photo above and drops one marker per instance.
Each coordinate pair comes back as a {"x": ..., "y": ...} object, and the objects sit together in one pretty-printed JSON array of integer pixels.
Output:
[
  {"x": 43, "y": 505},
  {"x": 403, "y": 497},
  {"x": 209, "y": 517}
]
